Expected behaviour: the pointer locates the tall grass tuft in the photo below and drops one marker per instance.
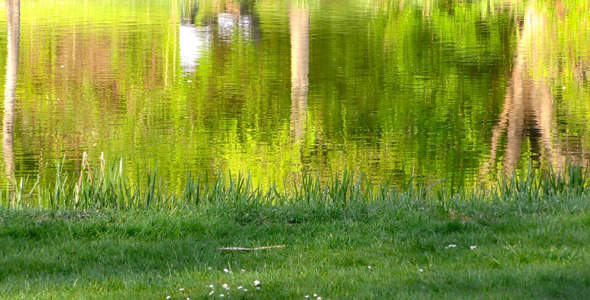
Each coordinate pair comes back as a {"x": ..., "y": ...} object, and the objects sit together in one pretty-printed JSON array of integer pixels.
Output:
[{"x": 110, "y": 188}]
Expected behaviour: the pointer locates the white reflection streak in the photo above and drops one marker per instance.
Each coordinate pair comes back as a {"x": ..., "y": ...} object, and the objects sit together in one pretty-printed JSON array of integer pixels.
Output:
[
  {"x": 225, "y": 25},
  {"x": 193, "y": 41},
  {"x": 245, "y": 25}
]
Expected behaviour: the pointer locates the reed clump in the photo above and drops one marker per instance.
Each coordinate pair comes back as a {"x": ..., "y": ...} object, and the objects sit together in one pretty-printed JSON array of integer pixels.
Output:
[{"x": 110, "y": 188}]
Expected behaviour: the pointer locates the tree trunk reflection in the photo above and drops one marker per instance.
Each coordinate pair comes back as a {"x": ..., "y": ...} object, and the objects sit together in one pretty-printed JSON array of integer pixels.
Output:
[
  {"x": 528, "y": 108},
  {"x": 299, "y": 22},
  {"x": 12, "y": 45}
]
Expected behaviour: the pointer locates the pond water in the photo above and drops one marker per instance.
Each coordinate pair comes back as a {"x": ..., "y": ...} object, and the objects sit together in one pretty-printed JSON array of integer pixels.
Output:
[{"x": 460, "y": 90}]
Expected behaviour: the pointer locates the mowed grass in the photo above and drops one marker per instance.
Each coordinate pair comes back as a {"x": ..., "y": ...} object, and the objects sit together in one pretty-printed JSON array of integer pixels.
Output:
[{"x": 528, "y": 236}]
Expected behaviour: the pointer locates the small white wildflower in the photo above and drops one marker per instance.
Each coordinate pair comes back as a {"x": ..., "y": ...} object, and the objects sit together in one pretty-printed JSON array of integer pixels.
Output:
[
  {"x": 225, "y": 286},
  {"x": 240, "y": 287},
  {"x": 306, "y": 296},
  {"x": 168, "y": 297},
  {"x": 187, "y": 298},
  {"x": 256, "y": 282},
  {"x": 181, "y": 289},
  {"x": 221, "y": 295},
  {"x": 226, "y": 270},
  {"x": 245, "y": 290},
  {"x": 257, "y": 287},
  {"x": 421, "y": 270},
  {"x": 209, "y": 268},
  {"x": 211, "y": 293},
  {"x": 211, "y": 286},
  {"x": 319, "y": 298},
  {"x": 369, "y": 269},
  {"x": 62, "y": 66},
  {"x": 451, "y": 246},
  {"x": 472, "y": 247},
  {"x": 315, "y": 295},
  {"x": 243, "y": 271}
]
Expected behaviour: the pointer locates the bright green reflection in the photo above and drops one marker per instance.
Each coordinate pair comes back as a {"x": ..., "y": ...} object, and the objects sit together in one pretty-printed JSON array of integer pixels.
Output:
[{"x": 433, "y": 89}]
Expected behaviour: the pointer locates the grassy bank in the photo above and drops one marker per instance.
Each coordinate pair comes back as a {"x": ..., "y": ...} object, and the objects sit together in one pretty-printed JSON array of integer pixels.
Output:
[{"x": 524, "y": 237}]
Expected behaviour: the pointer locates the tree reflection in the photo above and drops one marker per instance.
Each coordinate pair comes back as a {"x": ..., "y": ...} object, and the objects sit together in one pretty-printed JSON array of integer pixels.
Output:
[
  {"x": 528, "y": 109},
  {"x": 299, "y": 23},
  {"x": 12, "y": 45}
]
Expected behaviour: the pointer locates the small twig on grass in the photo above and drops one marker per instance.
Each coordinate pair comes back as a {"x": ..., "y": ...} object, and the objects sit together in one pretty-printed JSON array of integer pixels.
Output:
[{"x": 250, "y": 249}]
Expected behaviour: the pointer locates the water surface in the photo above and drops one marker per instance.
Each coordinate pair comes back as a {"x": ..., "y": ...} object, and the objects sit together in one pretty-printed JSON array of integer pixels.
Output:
[{"x": 431, "y": 89}]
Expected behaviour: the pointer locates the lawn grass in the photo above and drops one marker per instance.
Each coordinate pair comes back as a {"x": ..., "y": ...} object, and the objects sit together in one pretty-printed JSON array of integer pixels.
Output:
[{"x": 526, "y": 236}]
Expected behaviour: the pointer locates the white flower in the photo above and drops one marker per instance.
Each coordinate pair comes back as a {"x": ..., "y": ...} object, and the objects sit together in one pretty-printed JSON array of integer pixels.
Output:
[
  {"x": 315, "y": 295},
  {"x": 472, "y": 247},
  {"x": 451, "y": 246},
  {"x": 181, "y": 289},
  {"x": 245, "y": 290},
  {"x": 209, "y": 268},
  {"x": 211, "y": 286},
  {"x": 221, "y": 295},
  {"x": 421, "y": 270},
  {"x": 243, "y": 271},
  {"x": 256, "y": 282},
  {"x": 240, "y": 287},
  {"x": 369, "y": 269},
  {"x": 225, "y": 270},
  {"x": 211, "y": 293},
  {"x": 225, "y": 286},
  {"x": 306, "y": 296},
  {"x": 168, "y": 297}
]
